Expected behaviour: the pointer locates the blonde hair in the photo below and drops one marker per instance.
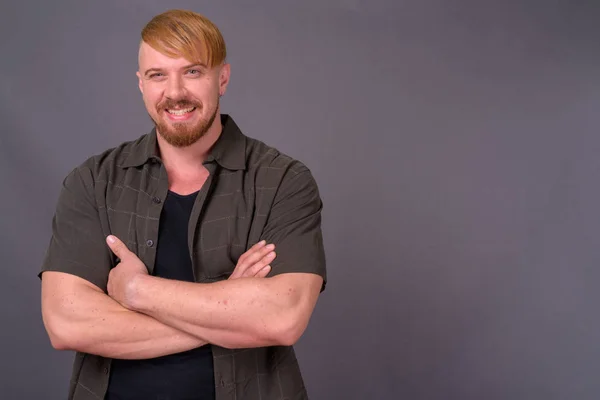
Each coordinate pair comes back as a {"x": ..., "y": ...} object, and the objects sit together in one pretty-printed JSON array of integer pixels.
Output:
[{"x": 182, "y": 33}]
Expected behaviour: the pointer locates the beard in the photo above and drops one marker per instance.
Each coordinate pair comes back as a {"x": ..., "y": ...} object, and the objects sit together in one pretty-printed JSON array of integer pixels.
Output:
[{"x": 183, "y": 134}]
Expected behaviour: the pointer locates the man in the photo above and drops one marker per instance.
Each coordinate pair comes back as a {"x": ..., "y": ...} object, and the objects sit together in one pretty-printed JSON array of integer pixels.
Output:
[{"x": 184, "y": 264}]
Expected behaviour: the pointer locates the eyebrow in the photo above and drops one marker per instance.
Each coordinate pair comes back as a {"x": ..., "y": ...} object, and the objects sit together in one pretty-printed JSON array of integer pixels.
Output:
[{"x": 151, "y": 70}]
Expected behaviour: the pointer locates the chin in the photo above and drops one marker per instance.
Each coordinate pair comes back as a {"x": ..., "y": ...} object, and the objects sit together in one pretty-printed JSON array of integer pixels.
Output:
[
  {"x": 183, "y": 134},
  {"x": 186, "y": 130}
]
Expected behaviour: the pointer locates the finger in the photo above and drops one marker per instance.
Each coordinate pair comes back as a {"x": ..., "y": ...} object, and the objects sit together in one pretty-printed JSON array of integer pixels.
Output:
[
  {"x": 255, "y": 257},
  {"x": 260, "y": 264},
  {"x": 263, "y": 272},
  {"x": 251, "y": 256},
  {"x": 251, "y": 250},
  {"x": 117, "y": 247}
]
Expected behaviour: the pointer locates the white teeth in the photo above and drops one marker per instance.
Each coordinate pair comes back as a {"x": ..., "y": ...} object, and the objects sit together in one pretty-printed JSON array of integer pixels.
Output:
[{"x": 181, "y": 112}]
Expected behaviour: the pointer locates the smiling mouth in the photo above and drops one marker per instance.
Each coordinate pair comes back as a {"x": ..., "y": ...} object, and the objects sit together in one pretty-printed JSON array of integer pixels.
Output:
[{"x": 181, "y": 112}]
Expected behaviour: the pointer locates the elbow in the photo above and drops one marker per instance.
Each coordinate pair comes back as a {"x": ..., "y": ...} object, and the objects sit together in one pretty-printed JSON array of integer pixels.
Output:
[
  {"x": 290, "y": 331},
  {"x": 58, "y": 333},
  {"x": 288, "y": 340},
  {"x": 58, "y": 341}
]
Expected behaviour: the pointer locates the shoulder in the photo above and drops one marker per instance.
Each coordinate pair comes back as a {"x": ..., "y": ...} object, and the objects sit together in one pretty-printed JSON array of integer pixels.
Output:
[
  {"x": 268, "y": 161},
  {"x": 280, "y": 178},
  {"x": 109, "y": 161}
]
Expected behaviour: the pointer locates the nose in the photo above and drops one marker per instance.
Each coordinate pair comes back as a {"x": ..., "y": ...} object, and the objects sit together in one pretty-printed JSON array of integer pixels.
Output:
[{"x": 175, "y": 88}]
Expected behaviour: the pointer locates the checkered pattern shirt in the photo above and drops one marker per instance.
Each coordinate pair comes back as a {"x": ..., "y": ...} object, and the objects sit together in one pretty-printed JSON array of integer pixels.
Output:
[{"x": 253, "y": 192}]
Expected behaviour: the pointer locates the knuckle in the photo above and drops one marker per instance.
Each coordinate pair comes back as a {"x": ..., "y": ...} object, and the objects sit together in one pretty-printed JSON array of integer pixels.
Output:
[{"x": 257, "y": 267}]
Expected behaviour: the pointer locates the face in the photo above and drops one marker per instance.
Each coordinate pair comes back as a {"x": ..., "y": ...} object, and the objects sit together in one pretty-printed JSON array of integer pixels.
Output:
[{"x": 182, "y": 97}]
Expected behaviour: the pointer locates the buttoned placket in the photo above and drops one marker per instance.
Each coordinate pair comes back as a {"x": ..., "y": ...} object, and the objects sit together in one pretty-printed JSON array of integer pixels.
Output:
[
  {"x": 155, "y": 204},
  {"x": 206, "y": 189}
]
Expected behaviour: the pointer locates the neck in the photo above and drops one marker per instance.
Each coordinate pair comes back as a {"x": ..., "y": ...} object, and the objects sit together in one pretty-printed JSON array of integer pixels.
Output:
[{"x": 189, "y": 158}]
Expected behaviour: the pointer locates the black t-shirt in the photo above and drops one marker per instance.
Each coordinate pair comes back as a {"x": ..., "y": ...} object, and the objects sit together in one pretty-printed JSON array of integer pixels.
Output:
[{"x": 182, "y": 376}]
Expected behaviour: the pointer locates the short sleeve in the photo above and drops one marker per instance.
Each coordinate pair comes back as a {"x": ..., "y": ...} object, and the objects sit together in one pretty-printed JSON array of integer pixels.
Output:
[
  {"x": 294, "y": 226},
  {"x": 77, "y": 245}
]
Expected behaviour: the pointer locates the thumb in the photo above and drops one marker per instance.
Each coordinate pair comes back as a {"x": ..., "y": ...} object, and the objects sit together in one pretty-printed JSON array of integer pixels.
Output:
[{"x": 117, "y": 247}]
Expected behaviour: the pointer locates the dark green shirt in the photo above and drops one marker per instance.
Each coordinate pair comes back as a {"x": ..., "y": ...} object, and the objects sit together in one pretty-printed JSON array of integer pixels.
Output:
[{"x": 253, "y": 192}]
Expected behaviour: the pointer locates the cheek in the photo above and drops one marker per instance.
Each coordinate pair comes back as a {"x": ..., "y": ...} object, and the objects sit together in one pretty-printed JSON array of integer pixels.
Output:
[
  {"x": 205, "y": 90},
  {"x": 150, "y": 101},
  {"x": 212, "y": 97}
]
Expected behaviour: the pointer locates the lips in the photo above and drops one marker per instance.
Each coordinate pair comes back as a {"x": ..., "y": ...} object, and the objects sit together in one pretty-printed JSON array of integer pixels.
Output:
[{"x": 180, "y": 112}]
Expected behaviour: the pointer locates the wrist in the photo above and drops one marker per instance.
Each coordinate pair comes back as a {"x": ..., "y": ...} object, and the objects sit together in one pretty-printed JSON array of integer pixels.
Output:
[{"x": 137, "y": 288}]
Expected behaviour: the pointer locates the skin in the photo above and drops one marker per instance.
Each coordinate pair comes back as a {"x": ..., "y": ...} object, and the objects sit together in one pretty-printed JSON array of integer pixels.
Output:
[
  {"x": 240, "y": 313},
  {"x": 143, "y": 316},
  {"x": 179, "y": 83},
  {"x": 80, "y": 316}
]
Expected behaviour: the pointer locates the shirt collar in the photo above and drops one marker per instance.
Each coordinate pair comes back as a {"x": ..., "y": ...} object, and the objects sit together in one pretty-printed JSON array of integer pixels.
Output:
[{"x": 229, "y": 151}]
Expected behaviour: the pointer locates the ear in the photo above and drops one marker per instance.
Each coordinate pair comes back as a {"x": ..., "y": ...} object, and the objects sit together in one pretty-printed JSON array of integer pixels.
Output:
[
  {"x": 224, "y": 75},
  {"x": 140, "y": 81}
]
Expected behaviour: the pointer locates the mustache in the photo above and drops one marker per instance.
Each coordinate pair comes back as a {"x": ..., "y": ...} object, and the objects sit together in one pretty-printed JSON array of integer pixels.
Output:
[{"x": 181, "y": 103}]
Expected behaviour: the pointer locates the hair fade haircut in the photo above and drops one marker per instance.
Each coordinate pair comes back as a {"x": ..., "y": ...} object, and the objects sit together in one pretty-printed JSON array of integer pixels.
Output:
[{"x": 182, "y": 33}]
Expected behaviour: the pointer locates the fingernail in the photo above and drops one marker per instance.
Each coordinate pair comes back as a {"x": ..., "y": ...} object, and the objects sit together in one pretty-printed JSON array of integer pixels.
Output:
[
  {"x": 111, "y": 239},
  {"x": 270, "y": 247},
  {"x": 262, "y": 242}
]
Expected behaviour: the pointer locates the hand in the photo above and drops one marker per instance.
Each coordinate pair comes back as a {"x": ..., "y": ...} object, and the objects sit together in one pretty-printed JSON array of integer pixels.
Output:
[
  {"x": 255, "y": 262},
  {"x": 121, "y": 279}
]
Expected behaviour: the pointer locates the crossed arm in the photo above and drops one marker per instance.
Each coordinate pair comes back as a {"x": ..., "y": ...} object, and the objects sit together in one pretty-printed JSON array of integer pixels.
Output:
[
  {"x": 142, "y": 316},
  {"x": 145, "y": 317},
  {"x": 80, "y": 316},
  {"x": 242, "y": 313}
]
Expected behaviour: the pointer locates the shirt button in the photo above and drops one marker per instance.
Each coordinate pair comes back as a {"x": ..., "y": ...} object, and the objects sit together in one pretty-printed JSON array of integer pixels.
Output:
[
  {"x": 149, "y": 242},
  {"x": 105, "y": 370},
  {"x": 156, "y": 200}
]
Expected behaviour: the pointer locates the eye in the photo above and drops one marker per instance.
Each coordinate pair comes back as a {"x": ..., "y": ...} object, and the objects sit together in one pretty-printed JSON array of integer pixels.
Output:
[
  {"x": 194, "y": 72},
  {"x": 156, "y": 75}
]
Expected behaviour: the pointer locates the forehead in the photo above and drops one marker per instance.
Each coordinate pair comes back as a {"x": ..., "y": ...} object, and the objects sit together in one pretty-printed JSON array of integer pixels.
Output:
[{"x": 148, "y": 57}]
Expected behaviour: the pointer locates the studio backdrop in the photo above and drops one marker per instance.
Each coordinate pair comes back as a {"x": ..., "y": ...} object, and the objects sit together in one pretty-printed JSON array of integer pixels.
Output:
[{"x": 456, "y": 148}]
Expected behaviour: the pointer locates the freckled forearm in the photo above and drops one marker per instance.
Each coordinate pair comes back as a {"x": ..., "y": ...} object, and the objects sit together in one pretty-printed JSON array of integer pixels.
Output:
[
  {"x": 96, "y": 324},
  {"x": 248, "y": 312}
]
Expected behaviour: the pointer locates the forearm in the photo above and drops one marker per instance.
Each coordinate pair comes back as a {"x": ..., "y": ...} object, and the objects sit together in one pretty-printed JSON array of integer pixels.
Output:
[
  {"x": 241, "y": 313},
  {"x": 92, "y": 322}
]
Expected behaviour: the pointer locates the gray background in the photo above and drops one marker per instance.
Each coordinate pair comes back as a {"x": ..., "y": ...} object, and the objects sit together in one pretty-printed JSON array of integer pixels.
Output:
[{"x": 455, "y": 144}]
